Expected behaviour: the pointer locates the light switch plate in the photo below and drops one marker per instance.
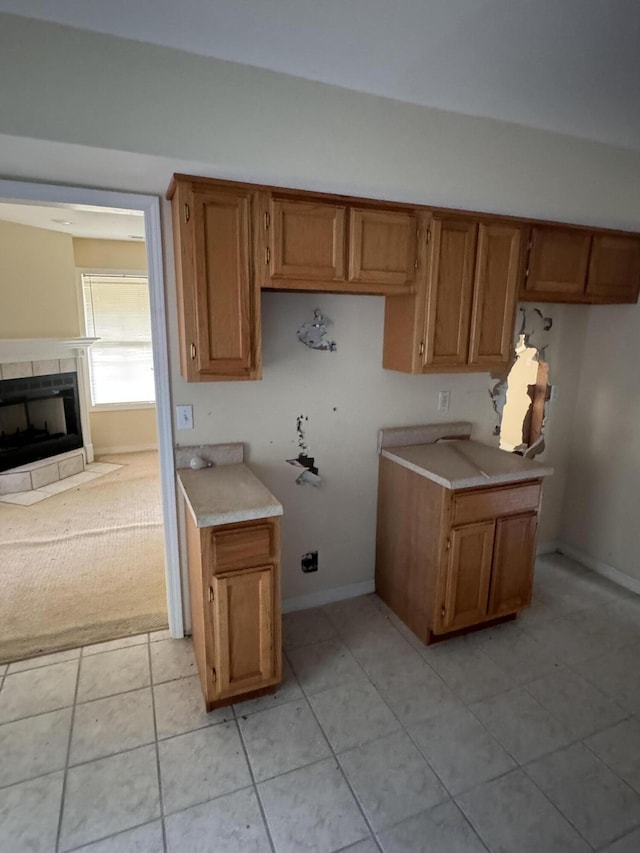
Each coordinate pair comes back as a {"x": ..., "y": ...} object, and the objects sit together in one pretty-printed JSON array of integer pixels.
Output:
[
  {"x": 184, "y": 417},
  {"x": 443, "y": 401}
]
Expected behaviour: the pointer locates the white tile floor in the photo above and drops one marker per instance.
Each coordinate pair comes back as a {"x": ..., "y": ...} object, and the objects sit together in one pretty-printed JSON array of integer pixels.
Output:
[{"x": 521, "y": 738}]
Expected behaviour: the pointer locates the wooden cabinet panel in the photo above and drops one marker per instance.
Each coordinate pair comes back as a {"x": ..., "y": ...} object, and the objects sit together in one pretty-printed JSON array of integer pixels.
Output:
[
  {"x": 558, "y": 261},
  {"x": 614, "y": 269},
  {"x": 307, "y": 241},
  {"x": 218, "y": 309},
  {"x": 482, "y": 504},
  {"x": 449, "y": 291},
  {"x": 513, "y": 561},
  {"x": 243, "y": 546},
  {"x": 468, "y": 575},
  {"x": 244, "y": 640},
  {"x": 494, "y": 294},
  {"x": 223, "y": 305},
  {"x": 382, "y": 247},
  {"x": 235, "y": 614}
]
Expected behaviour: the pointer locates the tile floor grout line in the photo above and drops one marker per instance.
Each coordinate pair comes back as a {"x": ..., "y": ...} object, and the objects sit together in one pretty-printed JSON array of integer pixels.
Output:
[
  {"x": 156, "y": 748},
  {"x": 63, "y": 793},
  {"x": 336, "y": 759},
  {"x": 404, "y": 728},
  {"x": 254, "y": 784},
  {"x": 556, "y": 807},
  {"x": 109, "y": 837}
]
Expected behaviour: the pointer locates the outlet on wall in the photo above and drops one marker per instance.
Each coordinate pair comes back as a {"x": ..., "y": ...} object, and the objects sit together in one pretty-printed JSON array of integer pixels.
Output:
[
  {"x": 184, "y": 417},
  {"x": 309, "y": 562},
  {"x": 443, "y": 401}
]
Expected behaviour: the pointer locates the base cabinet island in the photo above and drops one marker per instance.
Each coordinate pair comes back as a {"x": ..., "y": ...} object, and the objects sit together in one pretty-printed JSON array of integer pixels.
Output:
[
  {"x": 456, "y": 530},
  {"x": 233, "y": 549}
]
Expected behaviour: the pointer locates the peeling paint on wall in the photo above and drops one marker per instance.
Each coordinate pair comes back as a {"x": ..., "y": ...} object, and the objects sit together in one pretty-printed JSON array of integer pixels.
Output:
[
  {"x": 313, "y": 335},
  {"x": 310, "y": 474}
]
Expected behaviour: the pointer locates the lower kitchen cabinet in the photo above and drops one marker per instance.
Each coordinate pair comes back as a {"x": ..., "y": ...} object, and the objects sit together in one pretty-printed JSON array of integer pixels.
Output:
[
  {"x": 234, "y": 587},
  {"x": 448, "y": 560}
]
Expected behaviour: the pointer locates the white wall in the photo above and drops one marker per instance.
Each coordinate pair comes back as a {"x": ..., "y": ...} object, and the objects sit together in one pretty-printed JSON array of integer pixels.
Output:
[
  {"x": 601, "y": 508},
  {"x": 123, "y": 115}
]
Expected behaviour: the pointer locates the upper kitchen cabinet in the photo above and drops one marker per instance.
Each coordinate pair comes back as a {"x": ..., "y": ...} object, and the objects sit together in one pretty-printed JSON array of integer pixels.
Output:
[
  {"x": 306, "y": 244},
  {"x": 614, "y": 269},
  {"x": 336, "y": 248},
  {"x": 558, "y": 262},
  {"x": 494, "y": 294},
  {"x": 463, "y": 314},
  {"x": 218, "y": 300},
  {"x": 578, "y": 265},
  {"x": 383, "y": 248},
  {"x": 449, "y": 292}
]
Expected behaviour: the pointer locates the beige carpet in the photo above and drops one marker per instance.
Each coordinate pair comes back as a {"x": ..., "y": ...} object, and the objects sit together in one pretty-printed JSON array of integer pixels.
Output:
[{"x": 86, "y": 565}]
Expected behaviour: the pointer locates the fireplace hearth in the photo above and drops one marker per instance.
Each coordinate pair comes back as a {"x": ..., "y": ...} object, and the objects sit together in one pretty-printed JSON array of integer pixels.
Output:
[{"x": 39, "y": 418}]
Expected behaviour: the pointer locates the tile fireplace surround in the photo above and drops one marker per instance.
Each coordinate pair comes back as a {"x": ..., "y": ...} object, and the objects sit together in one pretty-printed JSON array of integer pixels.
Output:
[{"x": 23, "y": 357}]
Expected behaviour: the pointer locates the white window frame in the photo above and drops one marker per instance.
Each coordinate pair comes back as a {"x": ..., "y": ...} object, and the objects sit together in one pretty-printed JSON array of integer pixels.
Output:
[{"x": 108, "y": 407}]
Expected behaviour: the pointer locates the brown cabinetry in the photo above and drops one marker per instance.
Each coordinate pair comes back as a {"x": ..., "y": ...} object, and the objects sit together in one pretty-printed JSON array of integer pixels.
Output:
[
  {"x": 446, "y": 559},
  {"x": 306, "y": 243},
  {"x": 451, "y": 278},
  {"x": 462, "y": 316},
  {"x": 614, "y": 269},
  {"x": 337, "y": 248},
  {"x": 218, "y": 302},
  {"x": 234, "y": 587},
  {"x": 382, "y": 248},
  {"x": 577, "y": 265}
]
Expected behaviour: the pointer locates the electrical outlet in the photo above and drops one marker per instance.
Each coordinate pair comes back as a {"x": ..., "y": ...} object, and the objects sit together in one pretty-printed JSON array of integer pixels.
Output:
[
  {"x": 444, "y": 398},
  {"x": 184, "y": 417},
  {"x": 309, "y": 562}
]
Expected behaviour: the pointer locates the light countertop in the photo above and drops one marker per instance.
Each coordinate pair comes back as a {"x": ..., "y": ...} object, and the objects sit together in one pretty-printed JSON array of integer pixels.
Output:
[
  {"x": 226, "y": 494},
  {"x": 465, "y": 464}
]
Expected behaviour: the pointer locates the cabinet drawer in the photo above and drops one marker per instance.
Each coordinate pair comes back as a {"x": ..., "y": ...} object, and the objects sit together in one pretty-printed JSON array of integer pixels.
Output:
[
  {"x": 491, "y": 503},
  {"x": 242, "y": 547}
]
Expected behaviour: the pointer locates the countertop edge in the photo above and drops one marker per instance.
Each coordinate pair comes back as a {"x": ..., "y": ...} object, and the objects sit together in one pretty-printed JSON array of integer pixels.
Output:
[
  {"x": 204, "y": 519},
  {"x": 469, "y": 482}
]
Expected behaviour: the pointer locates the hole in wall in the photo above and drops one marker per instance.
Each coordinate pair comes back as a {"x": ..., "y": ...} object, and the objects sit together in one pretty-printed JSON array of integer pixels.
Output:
[{"x": 520, "y": 397}]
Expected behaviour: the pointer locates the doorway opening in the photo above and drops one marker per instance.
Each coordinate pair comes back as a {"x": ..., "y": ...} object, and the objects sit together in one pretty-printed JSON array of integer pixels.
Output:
[{"x": 98, "y": 546}]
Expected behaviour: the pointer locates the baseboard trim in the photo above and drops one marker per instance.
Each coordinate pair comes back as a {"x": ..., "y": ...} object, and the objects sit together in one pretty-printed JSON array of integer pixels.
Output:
[
  {"x": 547, "y": 548},
  {"x": 613, "y": 574},
  {"x": 327, "y": 596},
  {"x": 124, "y": 448}
]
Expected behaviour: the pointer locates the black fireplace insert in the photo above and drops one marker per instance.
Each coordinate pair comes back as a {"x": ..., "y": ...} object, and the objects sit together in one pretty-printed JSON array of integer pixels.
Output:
[{"x": 39, "y": 417}]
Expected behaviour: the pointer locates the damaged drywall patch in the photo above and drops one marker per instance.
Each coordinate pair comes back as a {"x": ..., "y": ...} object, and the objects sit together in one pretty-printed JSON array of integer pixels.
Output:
[
  {"x": 309, "y": 475},
  {"x": 520, "y": 396},
  {"x": 313, "y": 335}
]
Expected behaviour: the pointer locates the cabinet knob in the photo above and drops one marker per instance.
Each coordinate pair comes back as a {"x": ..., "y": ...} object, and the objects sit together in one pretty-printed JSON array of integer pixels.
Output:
[
  {"x": 193, "y": 351},
  {"x": 210, "y": 593},
  {"x": 442, "y": 611}
]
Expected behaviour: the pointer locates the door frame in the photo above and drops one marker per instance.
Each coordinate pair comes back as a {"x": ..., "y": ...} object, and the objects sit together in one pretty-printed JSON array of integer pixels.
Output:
[{"x": 66, "y": 196}]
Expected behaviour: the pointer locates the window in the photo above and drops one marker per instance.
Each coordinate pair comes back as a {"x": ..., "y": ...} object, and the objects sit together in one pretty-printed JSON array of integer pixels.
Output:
[{"x": 116, "y": 310}]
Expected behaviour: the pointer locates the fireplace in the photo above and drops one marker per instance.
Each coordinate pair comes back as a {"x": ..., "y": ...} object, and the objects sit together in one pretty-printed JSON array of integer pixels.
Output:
[{"x": 39, "y": 418}]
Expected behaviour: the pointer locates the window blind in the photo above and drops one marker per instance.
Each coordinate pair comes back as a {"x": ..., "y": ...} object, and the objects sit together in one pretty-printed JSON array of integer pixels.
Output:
[{"x": 116, "y": 310}]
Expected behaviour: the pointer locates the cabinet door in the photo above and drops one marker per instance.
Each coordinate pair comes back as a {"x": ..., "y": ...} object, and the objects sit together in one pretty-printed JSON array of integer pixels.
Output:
[
  {"x": 244, "y": 640},
  {"x": 614, "y": 269},
  {"x": 494, "y": 294},
  {"x": 306, "y": 242},
  {"x": 558, "y": 262},
  {"x": 513, "y": 559},
  {"x": 449, "y": 291},
  {"x": 382, "y": 248},
  {"x": 226, "y": 308},
  {"x": 468, "y": 575}
]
